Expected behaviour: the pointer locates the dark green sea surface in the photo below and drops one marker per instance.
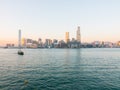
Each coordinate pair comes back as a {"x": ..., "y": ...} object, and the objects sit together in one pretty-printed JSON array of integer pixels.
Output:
[{"x": 60, "y": 69}]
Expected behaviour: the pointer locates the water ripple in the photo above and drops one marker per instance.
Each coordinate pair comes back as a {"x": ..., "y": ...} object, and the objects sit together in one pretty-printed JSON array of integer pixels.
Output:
[{"x": 60, "y": 69}]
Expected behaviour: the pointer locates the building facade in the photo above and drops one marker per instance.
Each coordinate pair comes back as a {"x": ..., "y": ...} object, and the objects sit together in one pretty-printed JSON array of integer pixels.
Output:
[
  {"x": 78, "y": 36},
  {"x": 67, "y": 37}
]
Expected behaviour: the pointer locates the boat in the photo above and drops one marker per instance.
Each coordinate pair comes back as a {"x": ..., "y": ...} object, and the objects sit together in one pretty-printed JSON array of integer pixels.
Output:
[{"x": 20, "y": 52}]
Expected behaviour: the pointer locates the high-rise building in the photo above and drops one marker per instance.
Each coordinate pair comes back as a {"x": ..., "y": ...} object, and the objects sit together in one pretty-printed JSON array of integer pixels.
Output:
[
  {"x": 55, "y": 41},
  {"x": 39, "y": 41},
  {"x": 67, "y": 37},
  {"x": 78, "y": 36},
  {"x": 23, "y": 42},
  {"x": 48, "y": 42}
]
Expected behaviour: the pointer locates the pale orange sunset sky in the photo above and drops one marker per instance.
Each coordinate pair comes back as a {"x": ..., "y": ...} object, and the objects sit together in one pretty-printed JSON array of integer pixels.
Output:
[{"x": 99, "y": 19}]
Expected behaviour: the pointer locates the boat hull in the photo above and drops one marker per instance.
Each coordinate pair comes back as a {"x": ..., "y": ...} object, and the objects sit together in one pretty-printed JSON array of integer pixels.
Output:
[{"x": 20, "y": 53}]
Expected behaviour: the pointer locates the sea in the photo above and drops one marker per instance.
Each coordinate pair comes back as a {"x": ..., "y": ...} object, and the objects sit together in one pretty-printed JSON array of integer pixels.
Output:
[{"x": 60, "y": 69}]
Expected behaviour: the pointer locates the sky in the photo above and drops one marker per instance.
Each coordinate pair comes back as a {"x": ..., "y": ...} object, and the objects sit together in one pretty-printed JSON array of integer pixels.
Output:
[{"x": 98, "y": 19}]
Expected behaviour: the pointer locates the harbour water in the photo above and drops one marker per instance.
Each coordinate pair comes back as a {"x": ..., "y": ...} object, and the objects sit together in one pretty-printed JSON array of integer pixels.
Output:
[{"x": 60, "y": 69}]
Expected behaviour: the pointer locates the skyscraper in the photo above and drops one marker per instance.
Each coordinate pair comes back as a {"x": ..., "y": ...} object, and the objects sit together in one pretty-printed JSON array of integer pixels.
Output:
[
  {"x": 78, "y": 36},
  {"x": 67, "y": 37}
]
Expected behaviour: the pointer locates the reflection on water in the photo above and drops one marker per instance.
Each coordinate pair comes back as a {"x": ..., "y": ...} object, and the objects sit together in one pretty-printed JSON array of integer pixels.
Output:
[
  {"x": 60, "y": 69},
  {"x": 72, "y": 56}
]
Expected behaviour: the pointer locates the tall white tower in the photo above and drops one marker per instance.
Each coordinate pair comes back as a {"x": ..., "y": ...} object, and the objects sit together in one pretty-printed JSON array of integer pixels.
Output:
[
  {"x": 20, "y": 52},
  {"x": 78, "y": 36},
  {"x": 19, "y": 41}
]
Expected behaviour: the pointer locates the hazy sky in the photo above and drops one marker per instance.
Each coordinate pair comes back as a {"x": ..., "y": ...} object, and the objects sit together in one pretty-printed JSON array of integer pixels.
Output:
[{"x": 98, "y": 19}]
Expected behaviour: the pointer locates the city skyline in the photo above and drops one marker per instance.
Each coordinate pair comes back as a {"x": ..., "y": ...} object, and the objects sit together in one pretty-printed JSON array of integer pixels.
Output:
[
  {"x": 66, "y": 43},
  {"x": 67, "y": 38},
  {"x": 98, "y": 20}
]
